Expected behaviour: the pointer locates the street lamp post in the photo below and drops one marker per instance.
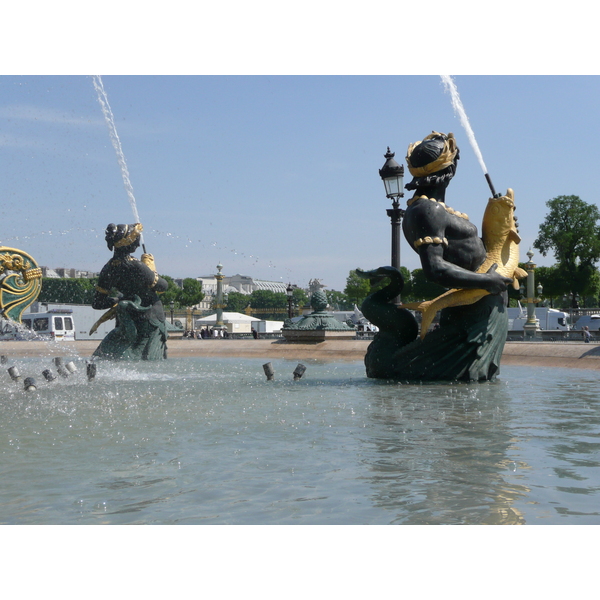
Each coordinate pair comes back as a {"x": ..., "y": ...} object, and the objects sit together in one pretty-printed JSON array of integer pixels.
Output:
[
  {"x": 540, "y": 289},
  {"x": 290, "y": 299},
  {"x": 531, "y": 325},
  {"x": 392, "y": 175},
  {"x": 573, "y": 304},
  {"x": 219, "y": 306}
]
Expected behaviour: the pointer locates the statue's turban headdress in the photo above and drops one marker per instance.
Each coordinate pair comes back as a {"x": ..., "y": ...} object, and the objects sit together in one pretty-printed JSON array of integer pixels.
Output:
[
  {"x": 434, "y": 153},
  {"x": 120, "y": 236}
]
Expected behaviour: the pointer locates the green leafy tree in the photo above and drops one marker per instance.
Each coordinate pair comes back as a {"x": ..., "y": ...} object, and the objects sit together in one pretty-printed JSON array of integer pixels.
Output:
[
  {"x": 190, "y": 293},
  {"x": 407, "y": 292},
  {"x": 67, "y": 290},
  {"x": 268, "y": 299},
  {"x": 338, "y": 300},
  {"x": 171, "y": 293},
  {"x": 300, "y": 297},
  {"x": 422, "y": 288},
  {"x": 571, "y": 232},
  {"x": 269, "y": 305},
  {"x": 357, "y": 289},
  {"x": 551, "y": 281},
  {"x": 237, "y": 302}
]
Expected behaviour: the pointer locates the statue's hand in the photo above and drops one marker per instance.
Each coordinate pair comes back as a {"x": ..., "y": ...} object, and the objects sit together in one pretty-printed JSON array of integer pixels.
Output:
[
  {"x": 496, "y": 282},
  {"x": 148, "y": 260},
  {"x": 116, "y": 299}
]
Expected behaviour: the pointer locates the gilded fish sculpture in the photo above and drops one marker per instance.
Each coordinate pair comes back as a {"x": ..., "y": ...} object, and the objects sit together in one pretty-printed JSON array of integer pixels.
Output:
[{"x": 501, "y": 239}]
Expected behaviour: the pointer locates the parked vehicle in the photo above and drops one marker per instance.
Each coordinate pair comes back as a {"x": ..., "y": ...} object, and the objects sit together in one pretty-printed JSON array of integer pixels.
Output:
[
  {"x": 56, "y": 324},
  {"x": 592, "y": 321},
  {"x": 547, "y": 318}
]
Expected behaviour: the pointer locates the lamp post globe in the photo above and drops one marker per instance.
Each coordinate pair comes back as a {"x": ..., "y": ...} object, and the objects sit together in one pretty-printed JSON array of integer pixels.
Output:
[{"x": 392, "y": 175}]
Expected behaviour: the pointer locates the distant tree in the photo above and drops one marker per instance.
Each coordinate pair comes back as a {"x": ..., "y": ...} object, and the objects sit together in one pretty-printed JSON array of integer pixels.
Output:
[
  {"x": 237, "y": 302},
  {"x": 338, "y": 300},
  {"x": 300, "y": 297},
  {"x": 268, "y": 299},
  {"x": 422, "y": 288},
  {"x": 407, "y": 292},
  {"x": 171, "y": 293},
  {"x": 571, "y": 232},
  {"x": 357, "y": 289},
  {"x": 67, "y": 290},
  {"x": 269, "y": 305},
  {"x": 550, "y": 279},
  {"x": 190, "y": 294}
]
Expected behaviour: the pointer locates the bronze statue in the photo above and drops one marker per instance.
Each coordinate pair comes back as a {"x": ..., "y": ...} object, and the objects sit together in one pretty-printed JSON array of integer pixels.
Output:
[
  {"x": 20, "y": 282},
  {"x": 470, "y": 338},
  {"x": 130, "y": 288}
]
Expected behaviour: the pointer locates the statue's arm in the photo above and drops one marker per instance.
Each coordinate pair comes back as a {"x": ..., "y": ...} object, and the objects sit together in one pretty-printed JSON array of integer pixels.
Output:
[
  {"x": 102, "y": 297},
  {"x": 160, "y": 285},
  {"x": 151, "y": 278},
  {"x": 439, "y": 270}
]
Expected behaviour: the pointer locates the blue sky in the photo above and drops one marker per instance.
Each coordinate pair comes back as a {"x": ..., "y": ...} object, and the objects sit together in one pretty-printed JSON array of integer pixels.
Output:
[
  {"x": 253, "y": 133},
  {"x": 273, "y": 176}
]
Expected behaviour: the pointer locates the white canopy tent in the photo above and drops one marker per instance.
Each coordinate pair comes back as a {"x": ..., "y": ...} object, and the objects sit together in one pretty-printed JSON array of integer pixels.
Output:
[
  {"x": 235, "y": 322},
  {"x": 228, "y": 317}
]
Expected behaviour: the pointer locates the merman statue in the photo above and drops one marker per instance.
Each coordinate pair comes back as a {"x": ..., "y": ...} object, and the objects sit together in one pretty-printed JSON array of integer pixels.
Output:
[
  {"x": 130, "y": 288},
  {"x": 468, "y": 343}
]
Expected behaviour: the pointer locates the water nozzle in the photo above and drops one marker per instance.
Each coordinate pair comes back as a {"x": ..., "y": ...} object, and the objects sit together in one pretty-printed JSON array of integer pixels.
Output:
[
  {"x": 487, "y": 178},
  {"x": 299, "y": 371},
  {"x": 70, "y": 366},
  {"x": 269, "y": 371},
  {"x": 91, "y": 370},
  {"x": 48, "y": 376}
]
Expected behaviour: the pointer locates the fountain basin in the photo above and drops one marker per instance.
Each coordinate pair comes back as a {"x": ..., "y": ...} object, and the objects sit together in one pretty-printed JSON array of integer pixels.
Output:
[
  {"x": 316, "y": 335},
  {"x": 207, "y": 440}
]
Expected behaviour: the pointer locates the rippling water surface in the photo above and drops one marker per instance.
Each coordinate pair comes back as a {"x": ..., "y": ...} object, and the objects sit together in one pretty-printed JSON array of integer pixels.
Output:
[{"x": 196, "y": 440}]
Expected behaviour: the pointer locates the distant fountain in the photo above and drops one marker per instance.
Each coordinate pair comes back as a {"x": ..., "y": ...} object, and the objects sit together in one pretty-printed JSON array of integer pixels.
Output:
[{"x": 318, "y": 326}]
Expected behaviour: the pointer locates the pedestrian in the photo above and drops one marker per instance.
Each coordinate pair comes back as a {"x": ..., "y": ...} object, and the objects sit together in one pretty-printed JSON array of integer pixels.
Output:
[
  {"x": 254, "y": 333},
  {"x": 586, "y": 334}
]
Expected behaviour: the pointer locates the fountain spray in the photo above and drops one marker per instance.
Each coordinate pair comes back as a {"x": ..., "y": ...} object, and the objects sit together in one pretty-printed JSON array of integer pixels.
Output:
[
  {"x": 116, "y": 142},
  {"x": 459, "y": 109}
]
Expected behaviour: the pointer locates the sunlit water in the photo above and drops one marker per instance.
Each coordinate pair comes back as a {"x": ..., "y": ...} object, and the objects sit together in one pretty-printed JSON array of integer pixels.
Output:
[{"x": 197, "y": 440}]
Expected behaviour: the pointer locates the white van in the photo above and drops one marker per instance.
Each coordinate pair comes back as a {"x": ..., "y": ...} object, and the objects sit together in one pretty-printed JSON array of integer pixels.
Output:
[{"x": 56, "y": 324}]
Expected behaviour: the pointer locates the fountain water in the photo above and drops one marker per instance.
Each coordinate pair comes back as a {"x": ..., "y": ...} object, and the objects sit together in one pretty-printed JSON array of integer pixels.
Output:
[
  {"x": 459, "y": 109},
  {"x": 212, "y": 441},
  {"x": 116, "y": 142}
]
